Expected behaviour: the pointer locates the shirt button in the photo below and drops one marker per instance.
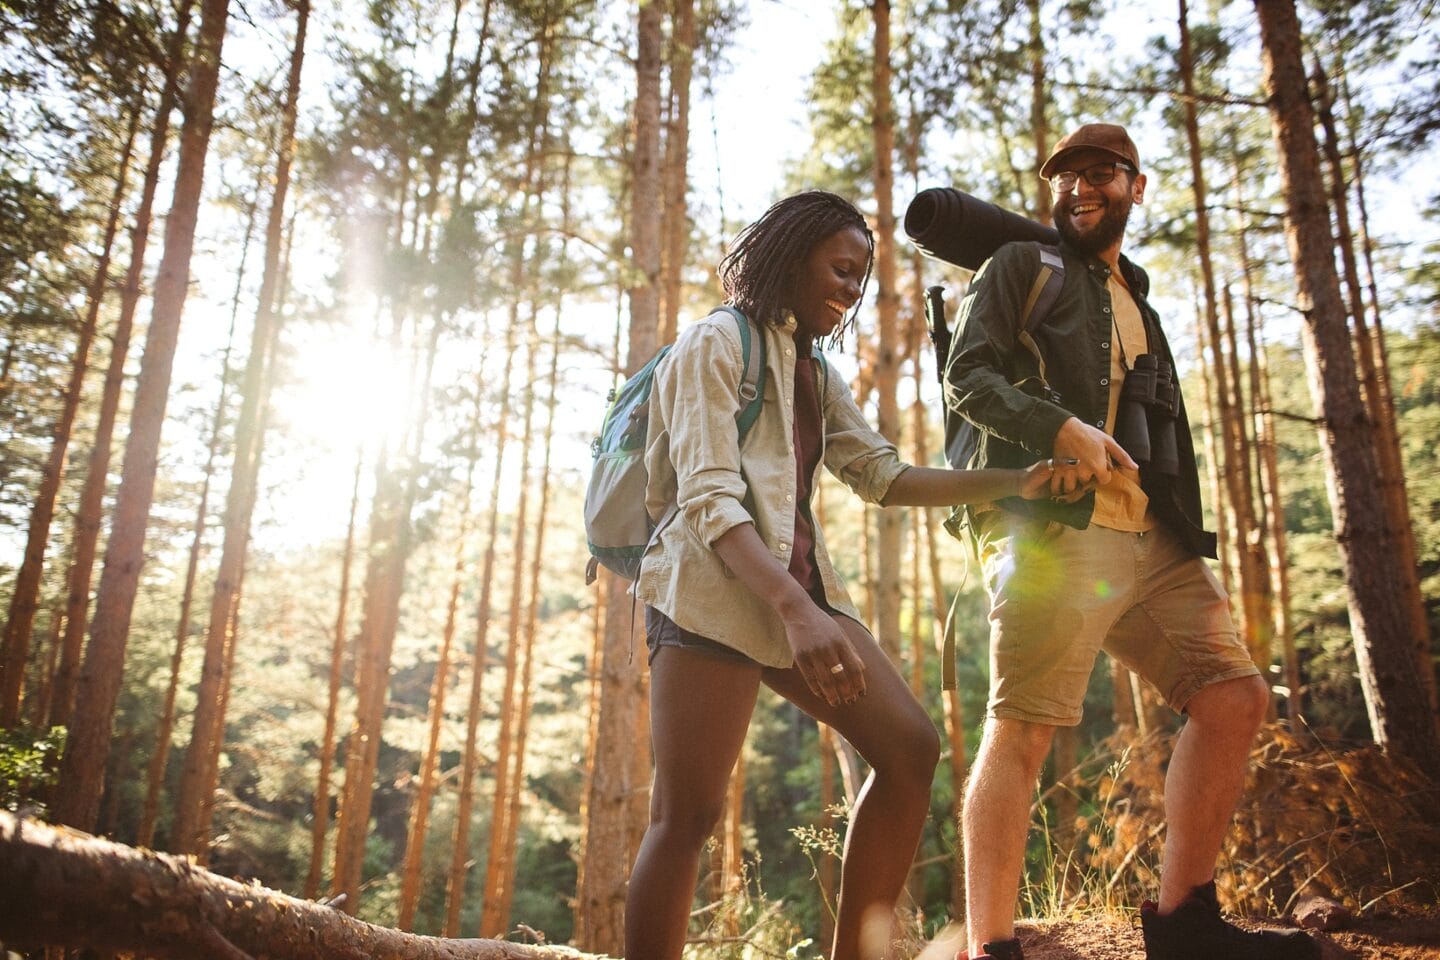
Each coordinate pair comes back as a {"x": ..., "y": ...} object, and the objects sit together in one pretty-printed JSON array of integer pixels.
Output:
[
  {"x": 784, "y": 547},
  {"x": 1100, "y": 423},
  {"x": 1107, "y": 309},
  {"x": 789, "y": 498},
  {"x": 789, "y": 352},
  {"x": 1105, "y": 345},
  {"x": 1104, "y": 381}
]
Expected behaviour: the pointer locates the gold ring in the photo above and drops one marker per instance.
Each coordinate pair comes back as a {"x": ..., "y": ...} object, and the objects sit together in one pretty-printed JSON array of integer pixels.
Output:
[{"x": 838, "y": 668}]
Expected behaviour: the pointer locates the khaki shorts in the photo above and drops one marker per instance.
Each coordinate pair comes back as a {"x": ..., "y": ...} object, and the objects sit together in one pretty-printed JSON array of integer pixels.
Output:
[{"x": 1060, "y": 595}]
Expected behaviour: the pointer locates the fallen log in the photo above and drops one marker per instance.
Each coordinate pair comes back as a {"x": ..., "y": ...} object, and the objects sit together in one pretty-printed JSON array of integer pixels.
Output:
[{"x": 63, "y": 888}]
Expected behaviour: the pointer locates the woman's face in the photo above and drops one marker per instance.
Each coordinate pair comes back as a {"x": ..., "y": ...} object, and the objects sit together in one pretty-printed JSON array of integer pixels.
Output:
[{"x": 828, "y": 283}]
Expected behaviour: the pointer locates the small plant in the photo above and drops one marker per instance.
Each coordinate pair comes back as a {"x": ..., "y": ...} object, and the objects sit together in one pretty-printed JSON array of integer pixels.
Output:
[{"x": 29, "y": 764}]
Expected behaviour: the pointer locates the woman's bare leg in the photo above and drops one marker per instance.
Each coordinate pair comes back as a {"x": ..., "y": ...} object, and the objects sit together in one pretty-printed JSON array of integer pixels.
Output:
[
  {"x": 700, "y": 709},
  {"x": 898, "y": 740}
]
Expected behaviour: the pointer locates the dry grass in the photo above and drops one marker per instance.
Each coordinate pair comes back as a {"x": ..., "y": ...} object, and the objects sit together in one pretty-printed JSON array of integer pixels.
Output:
[{"x": 1342, "y": 822}]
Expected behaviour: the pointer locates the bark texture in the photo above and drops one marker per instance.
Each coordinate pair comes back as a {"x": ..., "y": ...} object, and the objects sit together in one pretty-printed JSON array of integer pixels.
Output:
[
  {"x": 191, "y": 833},
  {"x": 25, "y": 598},
  {"x": 87, "y": 518},
  {"x": 887, "y": 348},
  {"x": 82, "y": 771},
  {"x": 1395, "y": 698},
  {"x": 617, "y": 788},
  {"x": 162, "y": 906}
]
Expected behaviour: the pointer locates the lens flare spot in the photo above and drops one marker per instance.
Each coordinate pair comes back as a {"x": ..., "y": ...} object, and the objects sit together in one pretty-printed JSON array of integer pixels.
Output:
[{"x": 1103, "y": 589}]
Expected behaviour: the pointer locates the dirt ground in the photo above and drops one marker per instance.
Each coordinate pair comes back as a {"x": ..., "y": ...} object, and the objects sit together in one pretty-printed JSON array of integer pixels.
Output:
[{"x": 1413, "y": 935}]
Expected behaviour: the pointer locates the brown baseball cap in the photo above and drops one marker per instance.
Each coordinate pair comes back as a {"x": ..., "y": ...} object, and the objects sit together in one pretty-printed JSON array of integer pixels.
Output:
[{"x": 1110, "y": 138}]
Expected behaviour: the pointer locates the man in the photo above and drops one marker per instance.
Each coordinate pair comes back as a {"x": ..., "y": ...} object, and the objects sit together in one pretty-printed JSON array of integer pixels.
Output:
[{"x": 1112, "y": 561}]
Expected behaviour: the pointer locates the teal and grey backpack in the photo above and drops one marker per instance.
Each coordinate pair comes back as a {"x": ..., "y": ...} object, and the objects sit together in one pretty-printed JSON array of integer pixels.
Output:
[{"x": 617, "y": 526}]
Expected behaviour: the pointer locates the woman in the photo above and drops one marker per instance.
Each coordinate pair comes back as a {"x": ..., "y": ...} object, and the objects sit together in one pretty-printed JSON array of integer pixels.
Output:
[{"x": 739, "y": 587}]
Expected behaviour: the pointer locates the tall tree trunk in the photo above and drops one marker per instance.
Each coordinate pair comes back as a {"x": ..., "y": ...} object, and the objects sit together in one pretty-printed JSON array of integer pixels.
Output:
[
  {"x": 1258, "y": 600},
  {"x": 1374, "y": 388},
  {"x": 498, "y": 872},
  {"x": 1213, "y": 466},
  {"x": 85, "y": 539},
  {"x": 25, "y": 598},
  {"x": 732, "y": 846},
  {"x": 532, "y": 186},
  {"x": 827, "y": 872},
  {"x": 155, "y": 778},
  {"x": 1395, "y": 698},
  {"x": 676, "y": 219},
  {"x": 1271, "y": 496},
  {"x": 887, "y": 359},
  {"x": 82, "y": 769},
  {"x": 532, "y": 614},
  {"x": 202, "y": 757},
  {"x": 1377, "y": 335},
  {"x": 430, "y": 761},
  {"x": 320, "y": 812},
  {"x": 1275, "y": 517},
  {"x": 592, "y": 727},
  {"x": 1039, "y": 97},
  {"x": 396, "y": 485},
  {"x": 460, "y": 844},
  {"x": 617, "y": 794},
  {"x": 1252, "y": 581}
]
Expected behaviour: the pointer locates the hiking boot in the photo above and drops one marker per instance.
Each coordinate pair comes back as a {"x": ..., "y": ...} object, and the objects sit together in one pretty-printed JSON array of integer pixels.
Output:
[
  {"x": 999, "y": 950},
  {"x": 1196, "y": 931}
]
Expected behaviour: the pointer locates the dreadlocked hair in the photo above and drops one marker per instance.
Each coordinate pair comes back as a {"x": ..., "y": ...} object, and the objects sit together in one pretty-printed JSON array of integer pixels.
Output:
[{"x": 757, "y": 272}]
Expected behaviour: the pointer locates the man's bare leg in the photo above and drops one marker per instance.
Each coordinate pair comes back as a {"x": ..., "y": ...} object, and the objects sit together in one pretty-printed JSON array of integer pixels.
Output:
[
  {"x": 997, "y": 817},
  {"x": 1202, "y": 787}
]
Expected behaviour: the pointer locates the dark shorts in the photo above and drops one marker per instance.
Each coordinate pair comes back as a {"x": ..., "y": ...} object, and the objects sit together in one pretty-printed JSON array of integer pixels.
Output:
[{"x": 661, "y": 631}]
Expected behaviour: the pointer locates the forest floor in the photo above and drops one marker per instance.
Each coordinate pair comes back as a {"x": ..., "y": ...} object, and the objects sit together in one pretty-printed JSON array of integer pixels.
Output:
[{"x": 1409, "y": 934}]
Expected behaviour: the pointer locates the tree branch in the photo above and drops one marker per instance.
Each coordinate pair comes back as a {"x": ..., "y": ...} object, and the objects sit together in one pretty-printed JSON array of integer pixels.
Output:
[
  {"x": 63, "y": 888},
  {"x": 1222, "y": 99}
]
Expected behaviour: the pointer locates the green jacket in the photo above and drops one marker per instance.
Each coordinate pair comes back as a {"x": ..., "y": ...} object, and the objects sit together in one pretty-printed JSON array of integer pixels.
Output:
[{"x": 992, "y": 381}]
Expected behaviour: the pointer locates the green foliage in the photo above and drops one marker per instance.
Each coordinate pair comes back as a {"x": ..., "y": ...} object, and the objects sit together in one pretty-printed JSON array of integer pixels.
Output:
[{"x": 29, "y": 763}]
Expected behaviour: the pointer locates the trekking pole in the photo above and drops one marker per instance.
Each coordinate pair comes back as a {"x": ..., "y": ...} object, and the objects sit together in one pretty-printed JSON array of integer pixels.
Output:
[{"x": 935, "y": 324}]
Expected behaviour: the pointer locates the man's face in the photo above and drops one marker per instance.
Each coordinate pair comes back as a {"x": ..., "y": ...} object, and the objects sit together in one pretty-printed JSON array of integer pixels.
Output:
[
  {"x": 828, "y": 283},
  {"x": 1092, "y": 218}
]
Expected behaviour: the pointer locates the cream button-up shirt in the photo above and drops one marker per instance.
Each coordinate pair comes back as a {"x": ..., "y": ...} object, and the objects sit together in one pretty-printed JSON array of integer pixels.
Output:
[{"x": 695, "y": 461}]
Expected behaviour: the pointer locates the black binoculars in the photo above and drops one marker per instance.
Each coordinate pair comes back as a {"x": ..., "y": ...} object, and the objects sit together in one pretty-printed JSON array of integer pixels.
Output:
[{"x": 1145, "y": 420}]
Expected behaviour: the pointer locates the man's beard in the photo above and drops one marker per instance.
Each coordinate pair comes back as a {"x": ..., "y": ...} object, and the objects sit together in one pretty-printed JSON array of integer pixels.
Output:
[{"x": 1100, "y": 237}]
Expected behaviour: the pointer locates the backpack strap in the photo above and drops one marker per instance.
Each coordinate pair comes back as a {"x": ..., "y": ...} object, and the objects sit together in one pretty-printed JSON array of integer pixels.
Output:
[
  {"x": 1043, "y": 294},
  {"x": 752, "y": 384}
]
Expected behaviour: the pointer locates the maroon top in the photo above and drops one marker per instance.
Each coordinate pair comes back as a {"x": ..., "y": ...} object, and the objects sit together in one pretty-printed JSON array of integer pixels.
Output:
[{"x": 809, "y": 437}]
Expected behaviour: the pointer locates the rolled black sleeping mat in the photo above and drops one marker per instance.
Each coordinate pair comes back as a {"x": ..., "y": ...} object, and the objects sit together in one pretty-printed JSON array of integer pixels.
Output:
[{"x": 953, "y": 226}]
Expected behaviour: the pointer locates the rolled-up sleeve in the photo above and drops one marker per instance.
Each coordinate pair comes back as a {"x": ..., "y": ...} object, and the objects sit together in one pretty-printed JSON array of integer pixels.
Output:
[
  {"x": 697, "y": 397},
  {"x": 855, "y": 452},
  {"x": 985, "y": 345}
]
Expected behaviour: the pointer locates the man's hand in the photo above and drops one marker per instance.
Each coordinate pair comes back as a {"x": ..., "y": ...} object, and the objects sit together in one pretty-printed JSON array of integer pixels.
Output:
[{"x": 1083, "y": 459}]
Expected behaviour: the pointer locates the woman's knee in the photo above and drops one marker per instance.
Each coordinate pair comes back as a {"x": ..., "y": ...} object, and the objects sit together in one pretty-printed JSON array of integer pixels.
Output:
[
  {"x": 685, "y": 819},
  {"x": 912, "y": 752}
]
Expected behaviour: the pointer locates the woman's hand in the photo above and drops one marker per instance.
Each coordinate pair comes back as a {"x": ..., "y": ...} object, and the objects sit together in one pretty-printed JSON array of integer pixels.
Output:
[
  {"x": 824, "y": 655},
  {"x": 1035, "y": 480},
  {"x": 816, "y": 640}
]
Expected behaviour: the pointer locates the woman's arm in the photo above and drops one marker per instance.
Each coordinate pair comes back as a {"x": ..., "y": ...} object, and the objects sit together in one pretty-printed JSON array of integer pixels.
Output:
[
  {"x": 931, "y": 487},
  {"x": 815, "y": 638}
]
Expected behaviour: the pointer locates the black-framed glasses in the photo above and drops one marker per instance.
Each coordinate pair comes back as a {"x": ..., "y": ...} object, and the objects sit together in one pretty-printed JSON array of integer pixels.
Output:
[{"x": 1097, "y": 174}]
